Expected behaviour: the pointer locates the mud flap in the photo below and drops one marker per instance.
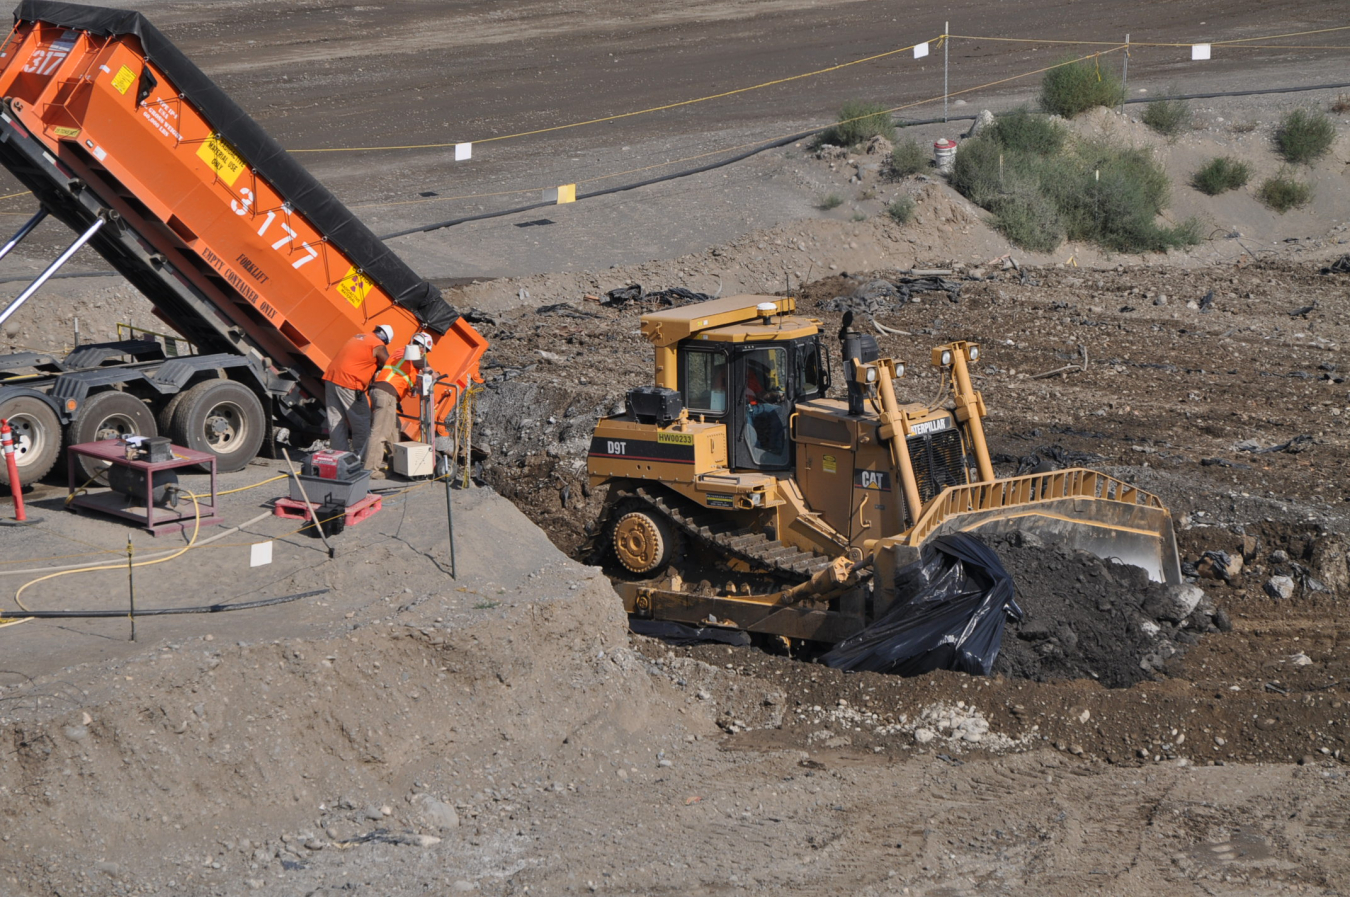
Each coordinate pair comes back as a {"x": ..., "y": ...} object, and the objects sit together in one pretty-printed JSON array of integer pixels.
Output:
[{"x": 945, "y": 612}]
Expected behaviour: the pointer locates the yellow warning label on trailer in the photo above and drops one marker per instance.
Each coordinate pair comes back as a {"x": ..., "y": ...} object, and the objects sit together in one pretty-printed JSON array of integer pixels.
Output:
[
  {"x": 354, "y": 287},
  {"x": 68, "y": 133},
  {"x": 123, "y": 80},
  {"x": 225, "y": 161},
  {"x": 675, "y": 438}
]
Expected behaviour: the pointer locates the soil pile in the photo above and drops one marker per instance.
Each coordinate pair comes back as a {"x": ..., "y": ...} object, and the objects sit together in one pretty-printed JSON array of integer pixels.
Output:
[{"x": 1086, "y": 617}]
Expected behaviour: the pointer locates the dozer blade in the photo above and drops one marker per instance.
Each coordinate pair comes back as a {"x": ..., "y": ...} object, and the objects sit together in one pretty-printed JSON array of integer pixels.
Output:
[{"x": 1080, "y": 508}]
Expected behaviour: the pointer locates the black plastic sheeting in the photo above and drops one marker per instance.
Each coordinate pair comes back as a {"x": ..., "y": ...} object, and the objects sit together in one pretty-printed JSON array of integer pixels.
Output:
[
  {"x": 675, "y": 633},
  {"x": 305, "y": 194},
  {"x": 949, "y": 616}
]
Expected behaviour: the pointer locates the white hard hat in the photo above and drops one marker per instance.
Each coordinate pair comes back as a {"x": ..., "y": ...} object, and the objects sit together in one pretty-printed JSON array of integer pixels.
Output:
[
  {"x": 385, "y": 332},
  {"x": 423, "y": 339},
  {"x": 412, "y": 352}
]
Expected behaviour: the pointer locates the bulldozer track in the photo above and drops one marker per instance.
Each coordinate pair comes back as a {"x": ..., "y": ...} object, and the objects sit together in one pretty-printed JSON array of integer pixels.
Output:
[{"x": 711, "y": 530}]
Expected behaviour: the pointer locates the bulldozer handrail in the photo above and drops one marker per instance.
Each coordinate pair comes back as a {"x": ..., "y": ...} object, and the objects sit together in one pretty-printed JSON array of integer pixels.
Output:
[{"x": 1074, "y": 482}]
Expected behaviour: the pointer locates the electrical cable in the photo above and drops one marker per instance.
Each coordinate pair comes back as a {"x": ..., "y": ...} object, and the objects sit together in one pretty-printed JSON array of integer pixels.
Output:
[
  {"x": 204, "y": 542},
  {"x": 167, "y": 611},
  {"x": 196, "y": 528}
]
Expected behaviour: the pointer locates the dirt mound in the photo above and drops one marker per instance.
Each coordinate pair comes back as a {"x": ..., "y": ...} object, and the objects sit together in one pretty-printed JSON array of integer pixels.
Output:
[{"x": 1089, "y": 618}]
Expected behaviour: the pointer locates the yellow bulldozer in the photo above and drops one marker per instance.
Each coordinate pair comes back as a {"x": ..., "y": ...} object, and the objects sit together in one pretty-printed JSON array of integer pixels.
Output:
[{"x": 739, "y": 452}]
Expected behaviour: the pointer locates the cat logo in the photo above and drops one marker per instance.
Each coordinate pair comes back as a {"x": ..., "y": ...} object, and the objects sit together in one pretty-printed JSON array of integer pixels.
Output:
[{"x": 874, "y": 479}]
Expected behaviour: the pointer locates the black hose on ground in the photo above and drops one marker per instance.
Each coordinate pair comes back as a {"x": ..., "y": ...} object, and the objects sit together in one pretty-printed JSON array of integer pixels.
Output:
[{"x": 164, "y": 611}]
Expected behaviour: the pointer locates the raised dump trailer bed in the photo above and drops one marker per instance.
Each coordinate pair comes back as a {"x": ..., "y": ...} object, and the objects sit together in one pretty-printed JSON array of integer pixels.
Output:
[{"x": 238, "y": 247}]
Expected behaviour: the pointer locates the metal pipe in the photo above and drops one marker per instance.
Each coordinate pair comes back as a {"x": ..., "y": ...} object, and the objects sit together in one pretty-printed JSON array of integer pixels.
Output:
[
  {"x": 51, "y": 269},
  {"x": 23, "y": 232}
]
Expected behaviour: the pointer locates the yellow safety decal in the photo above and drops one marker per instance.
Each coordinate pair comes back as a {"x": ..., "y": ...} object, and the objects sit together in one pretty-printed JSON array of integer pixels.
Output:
[
  {"x": 829, "y": 464},
  {"x": 354, "y": 287},
  {"x": 123, "y": 80},
  {"x": 675, "y": 438},
  {"x": 68, "y": 133},
  {"x": 224, "y": 161}
]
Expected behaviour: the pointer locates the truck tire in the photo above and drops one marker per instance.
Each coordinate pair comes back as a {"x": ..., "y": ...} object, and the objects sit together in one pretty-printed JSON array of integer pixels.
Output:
[
  {"x": 224, "y": 418},
  {"x": 164, "y": 417},
  {"x": 643, "y": 541},
  {"x": 37, "y": 438},
  {"x": 107, "y": 415}
]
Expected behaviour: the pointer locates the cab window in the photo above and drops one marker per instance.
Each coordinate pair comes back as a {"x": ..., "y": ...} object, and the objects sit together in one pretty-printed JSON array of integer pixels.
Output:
[
  {"x": 705, "y": 382},
  {"x": 809, "y": 379}
]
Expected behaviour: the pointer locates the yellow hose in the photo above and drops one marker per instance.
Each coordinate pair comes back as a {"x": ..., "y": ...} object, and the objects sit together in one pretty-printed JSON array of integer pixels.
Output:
[{"x": 196, "y": 528}]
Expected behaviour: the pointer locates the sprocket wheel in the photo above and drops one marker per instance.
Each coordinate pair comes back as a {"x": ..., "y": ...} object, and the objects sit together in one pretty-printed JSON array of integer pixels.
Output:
[{"x": 643, "y": 541}]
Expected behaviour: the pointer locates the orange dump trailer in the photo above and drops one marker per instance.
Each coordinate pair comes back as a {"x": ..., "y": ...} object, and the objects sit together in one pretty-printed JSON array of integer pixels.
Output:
[{"x": 242, "y": 252}]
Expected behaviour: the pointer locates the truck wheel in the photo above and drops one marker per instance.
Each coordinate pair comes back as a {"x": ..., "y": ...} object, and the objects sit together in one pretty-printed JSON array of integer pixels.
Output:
[
  {"x": 164, "y": 417},
  {"x": 643, "y": 541},
  {"x": 108, "y": 415},
  {"x": 37, "y": 438},
  {"x": 221, "y": 417}
]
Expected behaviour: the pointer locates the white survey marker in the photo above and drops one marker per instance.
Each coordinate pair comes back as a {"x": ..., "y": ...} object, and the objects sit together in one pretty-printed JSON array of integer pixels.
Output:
[
  {"x": 463, "y": 151},
  {"x": 1200, "y": 51},
  {"x": 260, "y": 554},
  {"x": 921, "y": 50}
]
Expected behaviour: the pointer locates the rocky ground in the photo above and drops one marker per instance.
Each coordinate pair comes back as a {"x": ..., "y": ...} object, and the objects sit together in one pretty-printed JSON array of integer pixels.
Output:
[{"x": 503, "y": 733}]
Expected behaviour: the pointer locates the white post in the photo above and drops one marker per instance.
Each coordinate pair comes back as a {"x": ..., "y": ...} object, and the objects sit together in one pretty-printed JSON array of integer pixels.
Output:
[
  {"x": 1125, "y": 74},
  {"x": 946, "y": 43}
]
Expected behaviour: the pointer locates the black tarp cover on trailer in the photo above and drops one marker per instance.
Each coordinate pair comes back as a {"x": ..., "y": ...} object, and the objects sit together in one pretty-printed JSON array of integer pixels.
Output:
[{"x": 305, "y": 194}]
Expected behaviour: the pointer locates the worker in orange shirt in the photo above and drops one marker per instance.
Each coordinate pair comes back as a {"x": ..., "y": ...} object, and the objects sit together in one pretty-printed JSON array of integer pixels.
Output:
[
  {"x": 345, "y": 384},
  {"x": 395, "y": 382}
]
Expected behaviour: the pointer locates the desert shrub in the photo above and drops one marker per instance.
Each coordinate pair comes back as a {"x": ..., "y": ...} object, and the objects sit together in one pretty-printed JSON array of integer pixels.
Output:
[
  {"x": 901, "y": 210},
  {"x": 1024, "y": 131},
  {"x": 1168, "y": 117},
  {"x": 1077, "y": 86},
  {"x": 1028, "y": 218},
  {"x": 976, "y": 172},
  {"x": 907, "y": 158},
  {"x": 1221, "y": 174},
  {"x": 1284, "y": 192},
  {"x": 1095, "y": 191},
  {"x": 859, "y": 121},
  {"x": 829, "y": 201},
  {"x": 1304, "y": 136}
]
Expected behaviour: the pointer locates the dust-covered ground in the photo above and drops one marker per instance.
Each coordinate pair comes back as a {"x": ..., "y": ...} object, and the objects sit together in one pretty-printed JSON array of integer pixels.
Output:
[{"x": 502, "y": 733}]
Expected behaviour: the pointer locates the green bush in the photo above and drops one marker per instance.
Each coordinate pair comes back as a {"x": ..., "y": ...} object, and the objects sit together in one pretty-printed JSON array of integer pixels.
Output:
[
  {"x": 1221, "y": 174},
  {"x": 1168, "y": 117},
  {"x": 907, "y": 158},
  {"x": 859, "y": 121},
  {"x": 1024, "y": 131},
  {"x": 1304, "y": 136},
  {"x": 901, "y": 210},
  {"x": 1284, "y": 192},
  {"x": 1029, "y": 219},
  {"x": 829, "y": 201},
  {"x": 1076, "y": 86},
  {"x": 1094, "y": 191}
]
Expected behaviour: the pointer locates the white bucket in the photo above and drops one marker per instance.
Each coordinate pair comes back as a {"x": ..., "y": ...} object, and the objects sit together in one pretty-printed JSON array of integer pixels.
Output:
[{"x": 944, "y": 154}]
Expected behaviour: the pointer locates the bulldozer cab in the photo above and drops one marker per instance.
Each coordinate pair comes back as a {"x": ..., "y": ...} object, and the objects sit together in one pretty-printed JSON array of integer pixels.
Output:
[{"x": 751, "y": 388}]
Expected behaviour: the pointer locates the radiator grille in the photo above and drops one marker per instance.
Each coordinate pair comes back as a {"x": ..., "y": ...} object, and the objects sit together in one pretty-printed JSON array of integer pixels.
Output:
[{"x": 938, "y": 463}]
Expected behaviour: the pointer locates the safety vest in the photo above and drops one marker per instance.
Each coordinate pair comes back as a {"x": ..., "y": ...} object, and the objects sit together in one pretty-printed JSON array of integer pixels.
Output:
[{"x": 397, "y": 377}]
